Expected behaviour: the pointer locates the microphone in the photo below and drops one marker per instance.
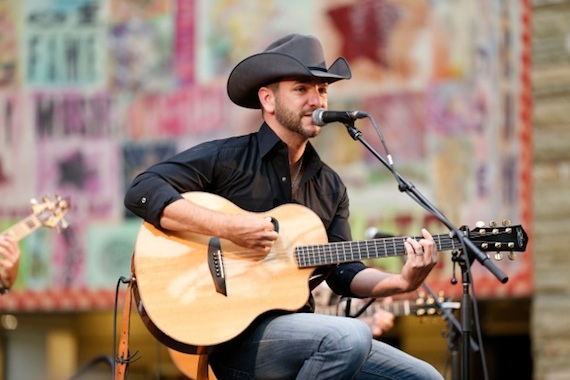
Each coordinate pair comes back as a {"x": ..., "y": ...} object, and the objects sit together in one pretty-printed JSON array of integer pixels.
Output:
[
  {"x": 373, "y": 233},
  {"x": 370, "y": 233},
  {"x": 322, "y": 116}
]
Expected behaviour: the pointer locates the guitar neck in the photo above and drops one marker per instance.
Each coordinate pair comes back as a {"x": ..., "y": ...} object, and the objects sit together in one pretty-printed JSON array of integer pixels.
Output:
[
  {"x": 24, "y": 227},
  {"x": 398, "y": 308},
  {"x": 348, "y": 251}
]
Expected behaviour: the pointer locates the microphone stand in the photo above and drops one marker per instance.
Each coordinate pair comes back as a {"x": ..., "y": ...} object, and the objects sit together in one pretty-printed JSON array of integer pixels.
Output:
[{"x": 469, "y": 249}]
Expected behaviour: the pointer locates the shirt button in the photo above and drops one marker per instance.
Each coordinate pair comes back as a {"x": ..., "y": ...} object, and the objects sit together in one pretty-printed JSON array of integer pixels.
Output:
[
  {"x": 143, "y": 200},
  {"x": 283, "y": 179}
]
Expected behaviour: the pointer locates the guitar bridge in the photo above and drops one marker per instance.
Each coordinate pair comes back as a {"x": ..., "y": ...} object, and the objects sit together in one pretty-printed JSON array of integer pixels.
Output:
[{"x": 216, "y": 265}]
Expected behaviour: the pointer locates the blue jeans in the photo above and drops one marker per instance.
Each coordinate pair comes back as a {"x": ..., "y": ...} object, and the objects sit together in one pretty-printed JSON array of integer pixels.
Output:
[{"x": 309, "y": 346}]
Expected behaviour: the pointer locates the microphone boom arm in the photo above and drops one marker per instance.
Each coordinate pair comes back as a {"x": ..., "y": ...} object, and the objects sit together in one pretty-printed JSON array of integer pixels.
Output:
[{"x": 409, "y": 188}]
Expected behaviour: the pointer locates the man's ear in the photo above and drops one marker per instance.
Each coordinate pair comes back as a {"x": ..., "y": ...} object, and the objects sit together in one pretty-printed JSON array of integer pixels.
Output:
[{"x": 266, "y": 99}]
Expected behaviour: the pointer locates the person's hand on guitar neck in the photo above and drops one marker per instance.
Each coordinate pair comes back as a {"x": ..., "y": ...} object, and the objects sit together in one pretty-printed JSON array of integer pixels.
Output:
[
  {"x": 9, "y": 262},
  {"x": 422, "y": 257}
]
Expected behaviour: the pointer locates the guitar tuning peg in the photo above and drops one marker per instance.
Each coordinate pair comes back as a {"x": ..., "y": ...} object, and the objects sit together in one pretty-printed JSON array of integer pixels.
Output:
[
  {"x": 506, "y": 222},
  {"x": 498, "y": 256},
  {"x": 493, "y": 223},
  {"x": 63, "y": 223},
  {"x": 34, "y": 201},
  {"x": 480, "y": 224},
  {"x": 512, "y": 256}
]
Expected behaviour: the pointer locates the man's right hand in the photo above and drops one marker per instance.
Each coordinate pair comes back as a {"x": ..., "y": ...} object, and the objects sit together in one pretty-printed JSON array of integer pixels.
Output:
[{"x": 252, "y": 232}]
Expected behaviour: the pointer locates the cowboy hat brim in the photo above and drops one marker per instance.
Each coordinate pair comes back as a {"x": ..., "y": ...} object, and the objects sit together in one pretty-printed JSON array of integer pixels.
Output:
[{"x": 265, "y": 68}]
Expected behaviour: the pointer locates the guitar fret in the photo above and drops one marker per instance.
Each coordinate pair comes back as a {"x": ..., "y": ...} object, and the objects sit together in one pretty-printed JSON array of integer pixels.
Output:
[
  {"x": 30, "y": 224},
  {"x": 314, "y": 255},
  {"x": 452, "y": 244},
  {"x": 407, "y": 308}
]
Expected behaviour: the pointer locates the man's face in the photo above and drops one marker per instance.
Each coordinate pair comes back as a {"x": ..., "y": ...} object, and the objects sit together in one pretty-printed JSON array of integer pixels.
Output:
[{"x": 295, "y": 101}]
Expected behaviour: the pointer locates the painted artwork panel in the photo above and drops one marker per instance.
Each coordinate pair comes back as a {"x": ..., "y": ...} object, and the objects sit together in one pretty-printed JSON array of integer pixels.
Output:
[{"x": 94, "y": 91}]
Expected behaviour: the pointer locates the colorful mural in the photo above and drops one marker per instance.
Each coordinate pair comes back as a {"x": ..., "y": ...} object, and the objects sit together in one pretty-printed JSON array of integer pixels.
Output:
[{"x": 94, "y": 91}]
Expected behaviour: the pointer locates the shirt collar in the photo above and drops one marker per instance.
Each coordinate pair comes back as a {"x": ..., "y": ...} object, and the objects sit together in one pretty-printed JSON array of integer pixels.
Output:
[{"x": 268, "y": 140}]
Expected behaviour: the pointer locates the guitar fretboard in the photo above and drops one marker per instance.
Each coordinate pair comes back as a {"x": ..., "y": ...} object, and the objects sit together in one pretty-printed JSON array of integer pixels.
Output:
[
  {"x": 24, "y": 227},
  {"x": 347, "y": 251},
  {"x": 398, "y": 308}
]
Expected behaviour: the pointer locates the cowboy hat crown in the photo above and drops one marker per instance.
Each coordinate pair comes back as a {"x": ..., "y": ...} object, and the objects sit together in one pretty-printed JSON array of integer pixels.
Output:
[{"x": 294, "y": 55}]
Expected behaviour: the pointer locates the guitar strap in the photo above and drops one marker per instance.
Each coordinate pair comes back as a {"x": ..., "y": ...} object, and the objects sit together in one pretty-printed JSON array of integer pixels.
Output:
[{"x": 122, "y": 358}]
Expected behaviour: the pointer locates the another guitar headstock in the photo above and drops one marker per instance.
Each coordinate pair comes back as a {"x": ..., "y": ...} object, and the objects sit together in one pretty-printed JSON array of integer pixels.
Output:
[
  {"x": 427, "y": 305},
  {"x": 50, "y": 213},
  {"x": 499, "y": 238}
]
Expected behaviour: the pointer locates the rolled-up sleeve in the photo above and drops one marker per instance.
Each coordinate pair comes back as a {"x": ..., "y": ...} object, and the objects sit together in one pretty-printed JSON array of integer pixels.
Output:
[
  {"x": 148, "y": 195},
  {"x": 341, "y": 277},
  {"x": 165, "y": 182}
]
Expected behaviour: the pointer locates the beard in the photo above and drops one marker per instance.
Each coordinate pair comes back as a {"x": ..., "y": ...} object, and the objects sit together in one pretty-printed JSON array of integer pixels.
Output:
[{"x": 291, "y": 120}]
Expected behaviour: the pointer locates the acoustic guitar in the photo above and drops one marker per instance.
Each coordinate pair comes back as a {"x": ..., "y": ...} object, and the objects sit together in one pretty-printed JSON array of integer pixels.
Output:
[{"x": 194, "y": 291}]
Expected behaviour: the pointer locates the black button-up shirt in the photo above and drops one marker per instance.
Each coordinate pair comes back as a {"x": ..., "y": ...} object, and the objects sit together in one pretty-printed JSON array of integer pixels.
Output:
[{"x": 252, "y": 171}]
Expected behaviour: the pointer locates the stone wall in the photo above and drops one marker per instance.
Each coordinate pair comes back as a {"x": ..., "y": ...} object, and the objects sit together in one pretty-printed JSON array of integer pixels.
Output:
[{"x": 550, "y": 327}]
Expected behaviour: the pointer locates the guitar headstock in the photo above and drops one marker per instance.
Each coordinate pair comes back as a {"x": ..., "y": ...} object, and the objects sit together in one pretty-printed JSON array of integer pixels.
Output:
[
  {"x": 499, "y": 238},
  {"x": 427, "y": 305},
  {"x": 50, "y": 213}
]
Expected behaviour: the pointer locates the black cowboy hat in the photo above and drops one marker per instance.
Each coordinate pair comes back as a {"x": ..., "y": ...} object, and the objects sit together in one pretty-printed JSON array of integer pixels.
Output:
[{"x": 294, "y": 55}]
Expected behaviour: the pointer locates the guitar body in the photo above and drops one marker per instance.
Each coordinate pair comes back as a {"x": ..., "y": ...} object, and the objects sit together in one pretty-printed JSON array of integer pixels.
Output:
[{"x": 175, "y": 290}]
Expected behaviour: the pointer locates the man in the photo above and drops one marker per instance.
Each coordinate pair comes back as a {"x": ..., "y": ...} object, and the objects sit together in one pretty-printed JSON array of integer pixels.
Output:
[
  {"x": 9, "y": 262},
  {"x": 260, "y": 171}
]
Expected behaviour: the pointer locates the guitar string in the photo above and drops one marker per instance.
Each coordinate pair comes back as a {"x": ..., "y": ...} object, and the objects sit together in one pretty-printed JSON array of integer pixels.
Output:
[
  {"x": 320, "y": 248},
  {"x": 312, "y": 252}
]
